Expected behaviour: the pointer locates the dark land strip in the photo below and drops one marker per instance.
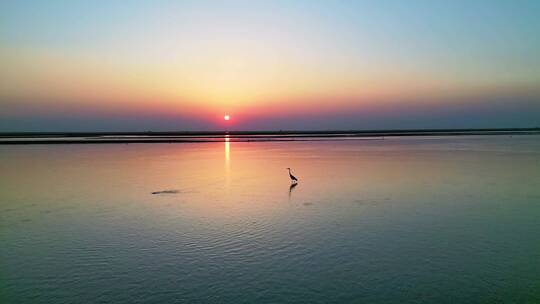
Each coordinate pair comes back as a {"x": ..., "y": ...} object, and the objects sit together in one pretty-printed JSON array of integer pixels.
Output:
[{"x": 18, "y": 138}]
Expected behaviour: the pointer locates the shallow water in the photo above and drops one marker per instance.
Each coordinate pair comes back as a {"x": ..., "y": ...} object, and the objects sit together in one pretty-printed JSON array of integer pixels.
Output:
[{"x": 410, "y": 220}]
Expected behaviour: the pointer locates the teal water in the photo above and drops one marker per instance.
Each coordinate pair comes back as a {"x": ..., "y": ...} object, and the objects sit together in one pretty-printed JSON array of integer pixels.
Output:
[{"x": 399, "y": 220}]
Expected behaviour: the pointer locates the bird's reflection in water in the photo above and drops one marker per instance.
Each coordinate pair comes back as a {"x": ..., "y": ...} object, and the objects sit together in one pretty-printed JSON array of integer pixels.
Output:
[{"x": 291, "y": 189}]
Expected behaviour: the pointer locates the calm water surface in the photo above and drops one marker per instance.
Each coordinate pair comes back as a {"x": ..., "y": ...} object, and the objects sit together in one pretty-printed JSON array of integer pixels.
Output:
[{"x": 400, "y": 220}]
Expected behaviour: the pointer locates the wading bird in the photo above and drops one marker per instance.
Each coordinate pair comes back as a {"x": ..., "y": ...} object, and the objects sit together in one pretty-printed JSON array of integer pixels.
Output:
[{"x": 294, "y": 180}]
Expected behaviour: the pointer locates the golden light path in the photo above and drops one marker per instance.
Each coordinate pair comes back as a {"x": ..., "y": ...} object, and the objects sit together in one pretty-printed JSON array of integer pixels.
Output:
[
  {"x": 227, "y": 151},
  {"x": 227, "y": 161}
]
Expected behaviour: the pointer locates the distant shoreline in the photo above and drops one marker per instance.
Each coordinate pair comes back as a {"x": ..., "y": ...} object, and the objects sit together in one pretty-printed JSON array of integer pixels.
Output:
[{"x": 18, "y": 138}]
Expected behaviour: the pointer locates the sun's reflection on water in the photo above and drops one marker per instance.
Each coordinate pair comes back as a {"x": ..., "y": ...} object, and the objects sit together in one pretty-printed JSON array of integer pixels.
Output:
[
  {"x": 227, "y": 160},
  {"x": 227, "y": 151}
]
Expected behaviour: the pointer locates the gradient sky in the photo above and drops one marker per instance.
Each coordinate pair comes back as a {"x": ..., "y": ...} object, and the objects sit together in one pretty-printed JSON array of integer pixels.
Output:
[{"x": 181, "y": 65}]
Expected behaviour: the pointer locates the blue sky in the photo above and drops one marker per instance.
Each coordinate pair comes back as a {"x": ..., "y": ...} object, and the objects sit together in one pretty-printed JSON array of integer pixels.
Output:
[{"x": 83, "y": 65}]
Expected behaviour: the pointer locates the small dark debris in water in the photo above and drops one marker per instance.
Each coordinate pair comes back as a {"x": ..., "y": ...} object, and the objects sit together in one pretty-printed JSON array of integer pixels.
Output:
[
  {"x": 166, "y": 192},
  {"x": 26, "y": 220},
  {"x": 308, "y": 204}
]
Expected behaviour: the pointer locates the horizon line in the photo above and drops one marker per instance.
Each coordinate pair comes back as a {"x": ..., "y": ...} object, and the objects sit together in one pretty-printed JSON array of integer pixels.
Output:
[
  {"x": 266, "y": 132},
  {"x": 241, "y": 136}
]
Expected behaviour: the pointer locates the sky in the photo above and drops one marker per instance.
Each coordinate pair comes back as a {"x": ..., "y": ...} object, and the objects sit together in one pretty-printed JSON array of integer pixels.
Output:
[{"x": 271, "y": 65}]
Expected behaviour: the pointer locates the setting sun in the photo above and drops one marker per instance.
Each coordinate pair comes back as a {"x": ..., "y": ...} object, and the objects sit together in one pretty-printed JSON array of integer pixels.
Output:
[{"x": 226, "y": 117}]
